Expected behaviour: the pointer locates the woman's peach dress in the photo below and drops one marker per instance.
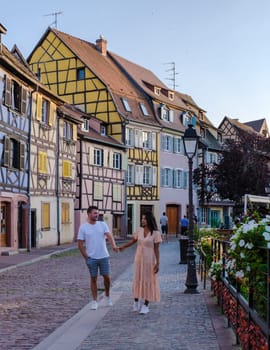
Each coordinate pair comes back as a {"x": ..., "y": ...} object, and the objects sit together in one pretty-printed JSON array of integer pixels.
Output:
[{"x": 145, "y": 281}]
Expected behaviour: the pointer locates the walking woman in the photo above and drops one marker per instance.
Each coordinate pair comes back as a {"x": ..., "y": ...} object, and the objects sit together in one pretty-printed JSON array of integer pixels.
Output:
[{"x": 146, "y": 263}]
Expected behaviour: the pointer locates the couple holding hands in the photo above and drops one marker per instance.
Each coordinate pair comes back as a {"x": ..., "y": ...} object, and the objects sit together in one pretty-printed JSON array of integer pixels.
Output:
[{"x": 92, "y": 245}]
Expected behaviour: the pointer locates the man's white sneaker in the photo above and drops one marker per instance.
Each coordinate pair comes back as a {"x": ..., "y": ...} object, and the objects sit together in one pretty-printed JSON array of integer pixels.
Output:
[
  {"x": 109, "y": 301},
  {"x": 136, "y": 306},
  {"x": 144, "y": 309},
  {"x": 94, "y": 305}
]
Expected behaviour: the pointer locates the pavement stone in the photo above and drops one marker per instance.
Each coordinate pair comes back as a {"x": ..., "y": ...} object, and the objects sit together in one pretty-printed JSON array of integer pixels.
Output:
[{"x": 44, "y": 305}]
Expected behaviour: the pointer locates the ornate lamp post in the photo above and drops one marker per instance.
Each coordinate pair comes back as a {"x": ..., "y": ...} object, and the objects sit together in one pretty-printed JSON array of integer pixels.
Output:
[{"x": 190, "y": 144}]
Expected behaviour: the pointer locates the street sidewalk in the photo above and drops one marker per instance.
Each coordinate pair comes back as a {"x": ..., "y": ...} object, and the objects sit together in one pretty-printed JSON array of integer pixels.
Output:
[{"x": 180, "y": 321}]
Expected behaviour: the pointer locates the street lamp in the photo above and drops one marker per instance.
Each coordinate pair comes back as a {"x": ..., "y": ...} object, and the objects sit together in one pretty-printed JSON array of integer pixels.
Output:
[{"x": 190, "y": 139}]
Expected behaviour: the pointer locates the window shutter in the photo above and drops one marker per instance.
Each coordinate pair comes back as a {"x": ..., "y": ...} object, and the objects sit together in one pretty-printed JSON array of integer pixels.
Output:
[
  {"x": 124, "y": 161},
  {"x": 108, "y": 158},
  {"x": 171, "y": 115},
  {"x": 154, "y": 176},
  {"x": 174, "y": 175},
  {"x": 51, "y": 113},
  {"x": 162, "y": 177},
  {"x": 45, "y": 217},
  {"x": 24, "y": 101},
  {"x": 154, "y": 140},
  {"x": 8, "y": 92},
  {"x": 22, "y": 156},
  {"x": 91, "y": 155},
  {"x": 6, "y": 151},
  {"x": 170, "y": 143},
  {"x": 74, "y": 134},
  {"x": 42, "y": 162},
  {"x": 137, "y": 138},
  {"x": 39, "y": 107},
  {"x": 139, "y": 174},
  {"x": 65, "y": 168},
  {"x": 161, "y": 112},
  {"x": 102, "y": 157},
  {"x": 185, "y": 179}
]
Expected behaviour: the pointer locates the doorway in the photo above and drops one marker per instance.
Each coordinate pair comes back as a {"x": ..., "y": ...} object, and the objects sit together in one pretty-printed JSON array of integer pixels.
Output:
[
  {"x": 4, "y": 224},
  {"x": 33, "y": 228},
  {"x": 172, "y": 212}
]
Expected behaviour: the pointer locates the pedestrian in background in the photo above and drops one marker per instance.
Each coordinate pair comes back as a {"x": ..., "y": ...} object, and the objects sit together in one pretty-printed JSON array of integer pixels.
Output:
[
  {"x": 164, "y": 226},
  {"x": 92, "y": 245},
  {"x": 146, "y": 263},
  {"x": 184, "y": 225}
]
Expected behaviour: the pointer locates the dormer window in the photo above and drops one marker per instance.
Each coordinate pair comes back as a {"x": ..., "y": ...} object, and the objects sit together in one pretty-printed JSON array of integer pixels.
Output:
[
  {"x": 144, "y": 109},
  {"x": 103, "y": 130},
  {"x": 157, "y": 90},
  {"x": 126, "y": 104},
  {"x": 171, "y": 95},
  {"x": 85, "y": 125}
]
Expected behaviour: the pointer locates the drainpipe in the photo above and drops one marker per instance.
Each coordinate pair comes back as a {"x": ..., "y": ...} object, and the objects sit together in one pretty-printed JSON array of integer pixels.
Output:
[
  {"x": 29, "y": 170},
  {"x": 57, "y": 182}
]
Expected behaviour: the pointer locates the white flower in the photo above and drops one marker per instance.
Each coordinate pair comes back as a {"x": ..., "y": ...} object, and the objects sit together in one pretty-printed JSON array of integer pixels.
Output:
[
  {"x": 249, "y": 245},
  {"x": 239, "y": 274},
  {"x": 242, "y": 243},
  {"x": 266, "y": 236},
  {"x": 248, "y": 268},
  {"x": 242, "y": 255},
  {"x": 233, "y": 246}
]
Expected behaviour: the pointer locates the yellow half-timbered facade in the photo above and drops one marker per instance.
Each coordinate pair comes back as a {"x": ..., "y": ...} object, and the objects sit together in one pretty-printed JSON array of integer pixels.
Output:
[{"x": 88, "y": 77}]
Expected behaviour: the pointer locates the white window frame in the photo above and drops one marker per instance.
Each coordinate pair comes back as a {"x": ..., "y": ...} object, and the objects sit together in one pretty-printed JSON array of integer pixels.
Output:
[
  {"x": 144, "y": 109},
  {"x": 116, "y": 160},
  {"x": 130, "y": 178},
  {"x": 98, "y": 156},
  {"x": 130, "y": 138},
  {"x": 126, "y": 104}
]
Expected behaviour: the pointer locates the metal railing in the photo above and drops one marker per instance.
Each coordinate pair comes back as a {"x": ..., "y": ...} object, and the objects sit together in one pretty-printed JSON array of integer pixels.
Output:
[{"x": 250, "y": 313}]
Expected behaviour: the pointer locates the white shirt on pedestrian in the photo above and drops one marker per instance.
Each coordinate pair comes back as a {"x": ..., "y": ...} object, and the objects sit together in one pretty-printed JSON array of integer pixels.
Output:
[{"x": 94, "y": 236}]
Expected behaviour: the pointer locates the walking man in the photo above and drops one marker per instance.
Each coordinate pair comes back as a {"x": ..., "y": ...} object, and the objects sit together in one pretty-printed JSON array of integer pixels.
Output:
[
  {"x": 184, "y": 225},
  {"x": 92, "y": 245},
  {"x": 164, "y": 226}
]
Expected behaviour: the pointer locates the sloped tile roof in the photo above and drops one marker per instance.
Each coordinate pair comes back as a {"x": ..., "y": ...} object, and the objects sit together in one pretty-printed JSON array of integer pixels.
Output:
[
  {"x": 110, "y": 74},
  {"x": 256, "y": 124}
]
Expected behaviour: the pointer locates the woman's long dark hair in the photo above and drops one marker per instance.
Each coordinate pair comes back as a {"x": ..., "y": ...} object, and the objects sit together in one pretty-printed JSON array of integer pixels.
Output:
[{"x": 151, "y": 221}]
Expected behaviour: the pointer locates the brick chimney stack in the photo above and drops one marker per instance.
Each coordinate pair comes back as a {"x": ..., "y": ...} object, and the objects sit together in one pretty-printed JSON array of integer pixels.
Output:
[{"x": 101, "y": 45}]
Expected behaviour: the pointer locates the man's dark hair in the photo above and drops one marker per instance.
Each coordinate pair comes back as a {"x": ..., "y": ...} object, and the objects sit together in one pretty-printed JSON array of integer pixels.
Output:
[{"x": 91, "y": 208}]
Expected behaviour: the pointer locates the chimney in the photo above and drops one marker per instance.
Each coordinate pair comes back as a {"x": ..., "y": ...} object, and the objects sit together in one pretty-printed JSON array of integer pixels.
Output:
[
  {"x": 101, "y": 45},
  {"x": 2, "y": 31}
]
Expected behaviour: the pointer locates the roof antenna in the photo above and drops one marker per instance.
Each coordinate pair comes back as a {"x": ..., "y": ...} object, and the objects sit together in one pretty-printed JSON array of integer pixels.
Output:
[
  {"x": 173, "y": 78},
  {"x": 55, "y": 14}
]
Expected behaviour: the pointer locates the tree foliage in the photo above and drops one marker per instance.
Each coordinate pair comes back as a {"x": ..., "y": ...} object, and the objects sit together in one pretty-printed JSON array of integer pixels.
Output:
[{"x": 243, "y": 168}]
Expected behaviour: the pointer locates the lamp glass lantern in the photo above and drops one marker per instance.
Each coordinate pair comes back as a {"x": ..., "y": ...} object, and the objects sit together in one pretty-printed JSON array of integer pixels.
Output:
[{"x": 190, "y": 142}]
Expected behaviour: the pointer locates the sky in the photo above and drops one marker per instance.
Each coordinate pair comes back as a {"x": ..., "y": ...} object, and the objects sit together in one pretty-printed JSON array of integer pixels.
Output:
[{"x": 220, "y": 48}]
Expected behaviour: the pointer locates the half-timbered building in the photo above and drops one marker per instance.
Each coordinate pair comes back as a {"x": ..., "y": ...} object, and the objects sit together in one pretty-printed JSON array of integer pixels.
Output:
[
  {"x": 101, "y": 170},
  {"x": 15, "y": 108},
  {"x": 38, "y": 152},
  {"x": 171, "y": 112},
  {"x": 87, "y": 76}
]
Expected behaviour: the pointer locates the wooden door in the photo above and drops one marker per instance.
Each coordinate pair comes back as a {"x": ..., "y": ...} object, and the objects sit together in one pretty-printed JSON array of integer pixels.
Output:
[
  {"x": 3, "y": 223},
  {"x": 173, "y": 219}
]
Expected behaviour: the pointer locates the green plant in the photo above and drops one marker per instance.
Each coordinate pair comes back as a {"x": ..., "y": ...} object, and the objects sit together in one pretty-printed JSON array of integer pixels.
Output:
[{"x": 215, "y": 271}]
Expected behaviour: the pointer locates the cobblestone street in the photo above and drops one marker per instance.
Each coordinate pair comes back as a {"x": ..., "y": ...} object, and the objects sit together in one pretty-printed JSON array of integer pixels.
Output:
[{"x": 35, "y": 299}]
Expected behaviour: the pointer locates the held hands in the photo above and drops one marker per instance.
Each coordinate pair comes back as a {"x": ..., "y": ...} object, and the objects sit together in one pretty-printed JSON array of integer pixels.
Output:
[{"x": 116, "y": 249}]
